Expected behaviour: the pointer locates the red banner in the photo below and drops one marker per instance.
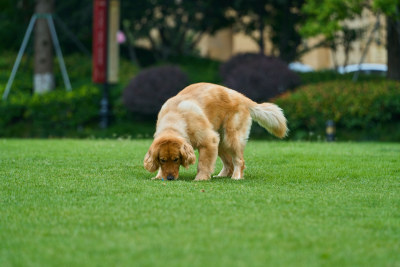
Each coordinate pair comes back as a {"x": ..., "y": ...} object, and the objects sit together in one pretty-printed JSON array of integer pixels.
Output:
[{"x": 99, "y": 74}]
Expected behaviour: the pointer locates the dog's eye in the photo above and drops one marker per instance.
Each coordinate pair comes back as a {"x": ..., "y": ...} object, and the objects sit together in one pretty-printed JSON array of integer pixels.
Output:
[
  {"x": 163, "y": 160},
  {"x": 176, "y": 160}
]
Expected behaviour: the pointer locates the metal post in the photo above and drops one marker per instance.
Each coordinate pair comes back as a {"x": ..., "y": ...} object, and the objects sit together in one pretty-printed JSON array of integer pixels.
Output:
[
  {"x": 104, "y": 103},
  {"x": 53, "y": 34},
  {"x": 104, "y": 107},
  {"x": 19, "y": 57},
  {"x": 58, "y": 52},
  {"x": 330, "y": 131}
]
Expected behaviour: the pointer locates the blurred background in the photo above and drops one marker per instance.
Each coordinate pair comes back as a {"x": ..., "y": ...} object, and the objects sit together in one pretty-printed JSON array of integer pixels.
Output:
[{"x": 328, "y": 62}]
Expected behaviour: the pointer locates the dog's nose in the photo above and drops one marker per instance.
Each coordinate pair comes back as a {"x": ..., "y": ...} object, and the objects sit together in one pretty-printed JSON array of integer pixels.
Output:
[{"x": 170, "y": 177}]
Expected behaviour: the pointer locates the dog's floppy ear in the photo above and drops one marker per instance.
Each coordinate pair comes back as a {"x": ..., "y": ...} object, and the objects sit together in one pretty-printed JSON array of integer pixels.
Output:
[
  {"x": 151, "y": 159},
  {"x": 187, "y": 155}
]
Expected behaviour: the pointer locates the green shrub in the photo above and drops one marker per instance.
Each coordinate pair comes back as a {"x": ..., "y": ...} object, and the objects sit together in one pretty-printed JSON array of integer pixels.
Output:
[
  {"x": 331, "y": 75},
  {"x": 58, "y": 113},
  {"x": 370, "y": 109}
]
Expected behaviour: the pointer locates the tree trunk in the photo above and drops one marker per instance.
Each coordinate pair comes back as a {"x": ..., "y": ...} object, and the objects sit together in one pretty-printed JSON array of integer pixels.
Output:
[
  {"x": 393, "y": 50},
  {"x": 261, "y": 28},
  {"x": 285, "y": 34},
  {"x": 43, "y": 69}
]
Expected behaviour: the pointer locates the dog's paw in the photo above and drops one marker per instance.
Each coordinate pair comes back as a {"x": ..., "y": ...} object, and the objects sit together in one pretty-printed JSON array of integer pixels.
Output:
[
  {"x": 157, "y": 178},
  {"x": 225, "y": 172},
  {"x": 202, "y": 177},
  {"x": 237, "y": 176},
  {"x": 238, "y": 173}
]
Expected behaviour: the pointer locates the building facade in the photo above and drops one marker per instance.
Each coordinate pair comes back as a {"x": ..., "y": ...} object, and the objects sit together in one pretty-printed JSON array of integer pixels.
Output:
[{"x": 226, "y": 43}]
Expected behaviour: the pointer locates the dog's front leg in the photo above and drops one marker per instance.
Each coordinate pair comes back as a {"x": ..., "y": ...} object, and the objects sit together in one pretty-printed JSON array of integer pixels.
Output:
[
  {"x": 158, "y": 176},
  {"x": 207, "y": 158}
]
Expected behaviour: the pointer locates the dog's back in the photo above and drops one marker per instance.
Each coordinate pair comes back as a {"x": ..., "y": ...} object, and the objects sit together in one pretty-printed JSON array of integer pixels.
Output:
[{"x": 224, "y": 108}]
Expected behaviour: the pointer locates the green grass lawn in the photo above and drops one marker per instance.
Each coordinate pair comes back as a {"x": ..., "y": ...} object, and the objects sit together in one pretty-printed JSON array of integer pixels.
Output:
[{"x": 91, "y": 203}]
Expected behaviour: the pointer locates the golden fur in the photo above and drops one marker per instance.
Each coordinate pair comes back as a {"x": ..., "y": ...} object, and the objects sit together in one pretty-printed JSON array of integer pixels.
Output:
[{"x": 216, "y": 121}]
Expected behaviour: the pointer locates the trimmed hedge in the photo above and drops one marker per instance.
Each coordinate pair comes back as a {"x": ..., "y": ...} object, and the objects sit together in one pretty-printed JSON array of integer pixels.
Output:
[
  {"x": 362, "y": 111},
  {"x": 58, "y": 113},
  {"x": 331, "y": 75}
]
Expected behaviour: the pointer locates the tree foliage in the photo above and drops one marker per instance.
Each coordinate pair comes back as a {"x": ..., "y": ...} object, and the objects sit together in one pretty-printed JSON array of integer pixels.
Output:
[
  {"x": 388, "y": 7},
  {"x": 280, "y": 18},
  {"x": 174, "y": 27},
  {"x": 14, "y": 19},
  {"x": 327, "y": 17}
]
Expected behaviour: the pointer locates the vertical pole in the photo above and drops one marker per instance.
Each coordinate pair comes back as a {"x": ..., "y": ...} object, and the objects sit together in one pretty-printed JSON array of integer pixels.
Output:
[
  {"x": 104, "y": 103},
  {"x": 58, "y": 52},
  {"x": 330, "y": 131},
  {"x": 20, "y": 53},
  {"x": 104, "y": 107}
]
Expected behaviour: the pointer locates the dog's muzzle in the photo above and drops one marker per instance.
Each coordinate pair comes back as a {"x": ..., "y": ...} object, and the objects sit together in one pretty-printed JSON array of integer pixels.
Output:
[{"x": 170, "y": 177}]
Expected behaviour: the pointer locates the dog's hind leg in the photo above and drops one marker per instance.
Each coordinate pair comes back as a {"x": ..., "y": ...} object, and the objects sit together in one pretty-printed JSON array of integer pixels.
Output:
[
  {"x": 207, "y": 156},
  {"x": 235, "y": 149},
  {"x": 236, "y": 138},
  {"x": 227, "y": 169},
  {"x": 238, "y": 166}
]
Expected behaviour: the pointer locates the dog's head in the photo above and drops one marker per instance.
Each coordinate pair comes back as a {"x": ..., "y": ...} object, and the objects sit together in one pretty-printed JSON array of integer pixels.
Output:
[{"x": 168, "y": 153}]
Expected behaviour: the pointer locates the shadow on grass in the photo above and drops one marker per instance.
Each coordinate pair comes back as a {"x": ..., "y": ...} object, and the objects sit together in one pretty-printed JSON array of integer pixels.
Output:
[{"x": 189, "y": 178}]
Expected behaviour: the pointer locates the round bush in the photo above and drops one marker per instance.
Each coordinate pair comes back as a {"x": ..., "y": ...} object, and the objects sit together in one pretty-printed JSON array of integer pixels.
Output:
[
  {"x": 258, "y": 76},
  {"x": 147, "y": 92}
]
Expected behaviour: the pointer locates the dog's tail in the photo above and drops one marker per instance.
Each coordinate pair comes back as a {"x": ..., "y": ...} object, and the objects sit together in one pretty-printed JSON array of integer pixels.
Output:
[{"x": 270, "y": 117}]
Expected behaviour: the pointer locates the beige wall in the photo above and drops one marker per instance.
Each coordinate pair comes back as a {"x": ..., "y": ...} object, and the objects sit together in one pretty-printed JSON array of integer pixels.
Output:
[
  {"x": 225, "y": 43},
  {"x": 218, "y": 46}
]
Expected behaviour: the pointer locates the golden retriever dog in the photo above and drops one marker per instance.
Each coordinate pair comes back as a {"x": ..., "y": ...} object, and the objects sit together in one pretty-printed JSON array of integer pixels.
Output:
[{"x": 213, "y": 119}]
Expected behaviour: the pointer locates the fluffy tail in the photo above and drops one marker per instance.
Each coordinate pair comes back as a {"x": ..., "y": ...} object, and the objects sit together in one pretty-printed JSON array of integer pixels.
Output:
[{"x": 270, "y": 117}]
